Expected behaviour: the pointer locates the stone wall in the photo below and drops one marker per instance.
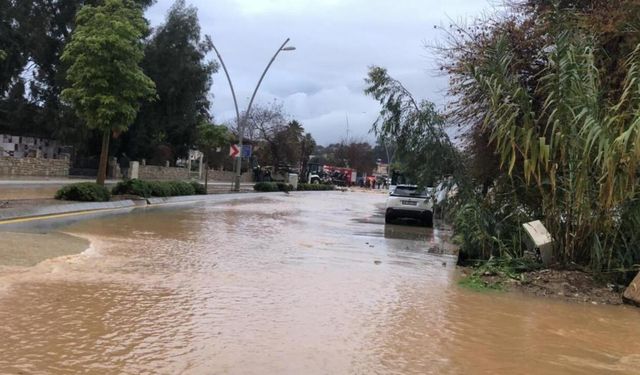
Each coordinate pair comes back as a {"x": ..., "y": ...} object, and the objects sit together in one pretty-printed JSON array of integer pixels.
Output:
[
  {"x": 33, "y": 167},
  {"x": 155, "y": 172},
  {"x": 223, "y": 176}
]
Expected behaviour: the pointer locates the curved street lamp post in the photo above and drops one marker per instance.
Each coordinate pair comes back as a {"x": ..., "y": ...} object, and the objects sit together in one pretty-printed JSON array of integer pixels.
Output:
[{"x": 241, "y": 121}]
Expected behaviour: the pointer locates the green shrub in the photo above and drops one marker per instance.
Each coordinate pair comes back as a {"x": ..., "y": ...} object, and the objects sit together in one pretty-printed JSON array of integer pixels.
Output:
[
  {"x": 84, "y": 191},
  {"x": 265, "y": 186},
  {"x": 198, "y": 187},
  {"x": 283, "y": 186},
  {"x": 133, "y": 187},
  {"x": 160, "y": 189},
  {"x": 318, "y": 187},
  {"x": 181, "y": 188}
]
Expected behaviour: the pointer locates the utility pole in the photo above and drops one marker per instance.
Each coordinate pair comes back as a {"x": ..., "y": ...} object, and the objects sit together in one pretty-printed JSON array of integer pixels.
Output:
[{"x": 241, "y": 120}]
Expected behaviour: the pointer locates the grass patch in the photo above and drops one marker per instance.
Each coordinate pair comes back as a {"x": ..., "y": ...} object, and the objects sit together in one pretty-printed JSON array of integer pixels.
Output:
[
  {"x": 478, "y": 283},
  {"x": 496, "y": 272}
]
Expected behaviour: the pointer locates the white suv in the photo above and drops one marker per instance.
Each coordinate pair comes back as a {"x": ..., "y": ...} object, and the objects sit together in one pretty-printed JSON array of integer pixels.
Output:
[{"x": 406, "y": 201}]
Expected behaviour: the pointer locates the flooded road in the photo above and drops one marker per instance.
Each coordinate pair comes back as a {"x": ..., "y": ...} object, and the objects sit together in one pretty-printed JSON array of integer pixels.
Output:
[{"x": 287, "y": 284}]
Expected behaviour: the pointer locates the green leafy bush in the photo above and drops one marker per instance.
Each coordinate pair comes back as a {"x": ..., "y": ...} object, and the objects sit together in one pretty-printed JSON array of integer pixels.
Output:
[
  {"x": 265, "y": 186},
  {"x": 198, "y": 187},
  {"x": 133, "y": 187},
  {"x": 160, "y": 189},
  {"x": 85, "y": 192},
  {"x": 318, "y": 187},
  {"x": 181, "y": 188},
  {"x": 157, "y": 188},
  {"x": 284, "y": 187}
]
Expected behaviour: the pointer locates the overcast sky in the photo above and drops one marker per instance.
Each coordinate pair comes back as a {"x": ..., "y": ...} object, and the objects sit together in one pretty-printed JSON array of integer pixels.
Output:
[{"x": 321, "y": 83}]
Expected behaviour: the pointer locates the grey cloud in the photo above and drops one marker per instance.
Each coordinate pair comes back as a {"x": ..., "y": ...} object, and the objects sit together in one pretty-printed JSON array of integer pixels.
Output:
[{"x": 337, "y": 40}]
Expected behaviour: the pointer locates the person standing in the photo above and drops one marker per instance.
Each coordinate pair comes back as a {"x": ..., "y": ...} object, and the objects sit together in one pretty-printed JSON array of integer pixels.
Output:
[{"x": 124, "y": 166}]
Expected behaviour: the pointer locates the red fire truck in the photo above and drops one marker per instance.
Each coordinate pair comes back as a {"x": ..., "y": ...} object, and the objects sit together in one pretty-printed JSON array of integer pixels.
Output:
[
  {"x": 329, "y": 174},
  {"x": 339, "y": 175}
]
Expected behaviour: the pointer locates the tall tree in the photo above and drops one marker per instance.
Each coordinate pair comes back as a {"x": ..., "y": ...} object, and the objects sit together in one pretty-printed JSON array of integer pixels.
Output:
[
  {"x": 175, "y": 58},
  {"x": 107, "y": 83},
  {"x": 359, "y": 156},
  {"x": 34, "y": 34},
  {"x": 356, "y": 154},
  {"x": 209, "y": 138},
  {"x": 415, "y": 127},
  {"x": 264, "y": 125},
  {"x": 307, "y": 148},
  {"x": 12, "y": 45}
]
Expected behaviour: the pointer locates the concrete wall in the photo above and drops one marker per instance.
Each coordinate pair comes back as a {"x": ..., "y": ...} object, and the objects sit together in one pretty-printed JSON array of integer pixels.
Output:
[
  {"x": 215, "y": 175},
  {"x": 10, "y": 166},
  {"x": 155, "y": 172}
]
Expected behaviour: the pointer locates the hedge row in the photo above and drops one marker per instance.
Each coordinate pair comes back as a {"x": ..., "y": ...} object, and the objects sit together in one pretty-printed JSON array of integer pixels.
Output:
[
  {"x": 309, "y": 187},
  {"x": 272, "y": 186},
  {"x": 281, "y": 186},
  {"x": 92, "y": 192},
  {"x": 85, "y": 192},
  {"x": 158, "y": 188}
]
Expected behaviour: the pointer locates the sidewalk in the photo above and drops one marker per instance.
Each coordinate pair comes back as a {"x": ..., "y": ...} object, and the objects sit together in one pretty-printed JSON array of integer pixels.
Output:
[
  {"x": 61, "y": 212},
  {"x": 45, "y": 188}
]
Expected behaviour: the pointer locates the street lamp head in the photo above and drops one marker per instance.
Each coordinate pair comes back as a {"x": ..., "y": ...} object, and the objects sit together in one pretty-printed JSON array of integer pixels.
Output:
[{"x": 290, "y": 48}]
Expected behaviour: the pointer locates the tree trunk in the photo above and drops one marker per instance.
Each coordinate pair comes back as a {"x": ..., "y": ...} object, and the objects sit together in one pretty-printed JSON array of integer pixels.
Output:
[
  {"x": 104, "y": 155},
  {"x": 206, "y": 177}
]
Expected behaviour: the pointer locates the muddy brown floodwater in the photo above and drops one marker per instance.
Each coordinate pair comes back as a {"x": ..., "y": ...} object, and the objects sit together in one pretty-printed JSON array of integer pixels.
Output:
[{"x": 287, "y": 284}]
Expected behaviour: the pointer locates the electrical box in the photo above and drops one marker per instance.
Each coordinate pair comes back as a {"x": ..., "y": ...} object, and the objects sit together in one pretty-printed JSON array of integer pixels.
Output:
[
  {"x": 541, "y": 240},
  {"x": 293, "y": 180}
]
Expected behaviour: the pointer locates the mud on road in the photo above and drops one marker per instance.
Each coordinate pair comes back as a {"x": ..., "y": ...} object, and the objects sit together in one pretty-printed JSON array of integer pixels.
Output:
[{"x": 310, "y": 283}]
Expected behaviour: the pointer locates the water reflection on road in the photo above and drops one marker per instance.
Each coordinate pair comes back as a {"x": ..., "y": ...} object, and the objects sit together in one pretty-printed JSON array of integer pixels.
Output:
[{"x": 300, "y": 284}]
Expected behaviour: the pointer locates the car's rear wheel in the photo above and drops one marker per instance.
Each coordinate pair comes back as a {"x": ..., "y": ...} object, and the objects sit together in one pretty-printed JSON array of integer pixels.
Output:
[{"x": 388, "y": 218}]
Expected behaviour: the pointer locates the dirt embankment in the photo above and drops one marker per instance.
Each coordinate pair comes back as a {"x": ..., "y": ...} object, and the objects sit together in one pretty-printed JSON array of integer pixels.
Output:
[
  {"x": 568, "y": 285},
  {"x": 575, "y": 286}
]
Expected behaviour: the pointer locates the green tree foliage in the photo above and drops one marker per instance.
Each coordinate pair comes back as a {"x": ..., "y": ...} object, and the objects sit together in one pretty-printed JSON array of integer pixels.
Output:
[
  {"x": 418, "y": 130},
  {"x": 278, "y": 141},
  {"x": 351, "y": 154},
  {"x": 34, "y": 34},
  {"x": 551, "y": 103},
  {"x": 385, "y": 150},
  {"x": 175, "y": 58},
  {"x": 580, "y": 153},
  {"x": 288, "y": 144},
  {"x": 210, "y": 137},
  {"x": 528, "y": 26},
  {"x": 106, "y": 82},
  {"x": 12, "y": 45},
  {"x": 307, "y": 148}
]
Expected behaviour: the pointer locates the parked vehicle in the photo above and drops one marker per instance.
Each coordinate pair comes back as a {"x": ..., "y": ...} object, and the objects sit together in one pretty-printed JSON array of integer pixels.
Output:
[
  {"x": 282, "y": 173},
  {"x": 328, "y": 174},
  {"x": 398, "y": 178},
  {"x": 314, "y": 174},
  {"x": 407, "y": 201}
]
